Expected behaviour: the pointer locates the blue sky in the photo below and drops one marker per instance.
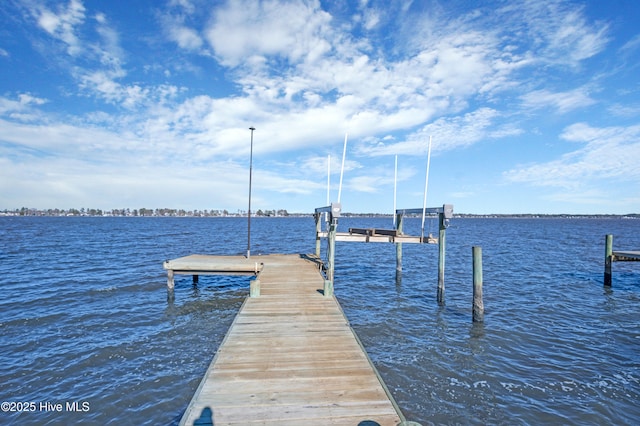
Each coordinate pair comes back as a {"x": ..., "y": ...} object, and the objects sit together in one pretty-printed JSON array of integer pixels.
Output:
[{"x": 532, "y": 106}]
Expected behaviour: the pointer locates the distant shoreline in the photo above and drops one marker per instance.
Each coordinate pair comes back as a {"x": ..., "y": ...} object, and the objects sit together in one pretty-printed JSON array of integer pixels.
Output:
[{"x": 284, "y": 214}]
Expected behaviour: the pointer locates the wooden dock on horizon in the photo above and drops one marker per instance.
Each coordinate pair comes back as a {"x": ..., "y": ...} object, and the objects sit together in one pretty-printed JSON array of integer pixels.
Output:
[{"x": 290, "y": 357}]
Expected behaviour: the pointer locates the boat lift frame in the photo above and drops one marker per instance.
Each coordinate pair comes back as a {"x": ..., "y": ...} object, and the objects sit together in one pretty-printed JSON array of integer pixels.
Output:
[{"x": 374, "y": 235}]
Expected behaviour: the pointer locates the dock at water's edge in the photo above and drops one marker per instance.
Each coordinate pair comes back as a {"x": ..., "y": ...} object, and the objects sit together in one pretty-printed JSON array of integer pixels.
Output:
[{"x": 290, "y": 356}]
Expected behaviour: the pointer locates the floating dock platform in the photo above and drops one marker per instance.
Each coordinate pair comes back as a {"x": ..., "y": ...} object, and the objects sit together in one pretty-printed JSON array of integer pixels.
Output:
[{"x": 290, "y": 357}]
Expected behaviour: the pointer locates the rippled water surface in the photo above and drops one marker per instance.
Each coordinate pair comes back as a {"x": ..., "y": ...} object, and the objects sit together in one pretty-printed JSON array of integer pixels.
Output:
[{"x": 86, "y": 320}]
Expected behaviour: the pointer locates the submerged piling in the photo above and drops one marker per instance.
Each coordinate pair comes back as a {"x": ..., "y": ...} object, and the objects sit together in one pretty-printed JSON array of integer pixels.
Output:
[{"x": 478, "y": 305}]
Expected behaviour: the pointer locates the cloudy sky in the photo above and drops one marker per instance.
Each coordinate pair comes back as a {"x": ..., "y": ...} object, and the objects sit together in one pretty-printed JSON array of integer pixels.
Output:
[{"x": 533, "y": 106}]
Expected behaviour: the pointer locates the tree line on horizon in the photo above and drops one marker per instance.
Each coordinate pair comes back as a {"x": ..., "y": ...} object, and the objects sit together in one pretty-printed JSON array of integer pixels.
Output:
[
  {"x": 168, "y": 212},
  {"x": 142, "y": 212}
]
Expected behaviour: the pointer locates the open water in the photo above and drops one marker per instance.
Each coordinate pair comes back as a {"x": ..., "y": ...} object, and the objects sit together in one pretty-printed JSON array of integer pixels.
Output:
[{"x": 89, "y": 334}]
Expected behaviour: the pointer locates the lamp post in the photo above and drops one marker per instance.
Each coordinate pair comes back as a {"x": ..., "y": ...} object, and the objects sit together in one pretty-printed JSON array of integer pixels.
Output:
[{"x": 249, "y": 212}]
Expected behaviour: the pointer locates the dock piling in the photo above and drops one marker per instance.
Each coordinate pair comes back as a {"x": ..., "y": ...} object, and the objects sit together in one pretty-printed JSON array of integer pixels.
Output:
[
  {"x": 332, "y": 250},
  {"x": 478, "y": 305},
  {"x": 611, "y": 256},
  {"x": 399, "y": 217},
  {"x": 608, "y": 259},
  {"x": 170, "y": 282},
  {"x": 442, "y": 225},
  {"x": 254, "y": 288},
  {"x": 317, "y": 217},
  {"x": 328, "y": 288}
]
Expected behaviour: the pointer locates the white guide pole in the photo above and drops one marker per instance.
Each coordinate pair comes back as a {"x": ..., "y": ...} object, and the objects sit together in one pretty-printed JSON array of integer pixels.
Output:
[
  {"x": 426, "y": 186},
  {"x": 395, "y": 192},
  {"x": 326, "y": 214},
  {"x": 344, "y": 153}
]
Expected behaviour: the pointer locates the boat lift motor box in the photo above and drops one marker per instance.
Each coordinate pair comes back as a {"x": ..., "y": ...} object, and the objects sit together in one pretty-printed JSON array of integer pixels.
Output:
[
  {"x": 336, "y": 209},
  {"x": 448, "y": 211}
]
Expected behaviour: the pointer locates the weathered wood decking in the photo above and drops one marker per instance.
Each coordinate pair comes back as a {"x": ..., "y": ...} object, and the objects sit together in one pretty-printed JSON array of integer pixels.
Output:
[
  {"x": 202, "y": 264},
  {"x": 290, "y": 357}
]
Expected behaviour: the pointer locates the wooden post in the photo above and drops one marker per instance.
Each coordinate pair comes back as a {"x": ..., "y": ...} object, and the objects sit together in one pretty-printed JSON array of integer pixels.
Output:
[
  {"x": 478, "y": 305},
  {"x": 317, "y": 217},
  {"x": 441, "y": 254},
  {"x": 608, "y": 259},
  {"x": 332, "y": 250},
  {"x": 328, "y": 288},
  {"x": 399, "y": 245},
  {"x": 195, "y": 279},
  {"x": 254, "y": 288},
  {"x": 170, "y": 283}
]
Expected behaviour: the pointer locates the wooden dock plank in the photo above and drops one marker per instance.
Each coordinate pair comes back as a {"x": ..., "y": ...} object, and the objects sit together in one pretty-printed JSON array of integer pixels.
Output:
[
  {"x": 291, "y": 357},
  {"x": 291, "y": 398}
]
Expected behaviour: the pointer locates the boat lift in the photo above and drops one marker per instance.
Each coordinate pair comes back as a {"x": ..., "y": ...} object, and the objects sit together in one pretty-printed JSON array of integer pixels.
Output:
[{"x": 376, "y": 235}]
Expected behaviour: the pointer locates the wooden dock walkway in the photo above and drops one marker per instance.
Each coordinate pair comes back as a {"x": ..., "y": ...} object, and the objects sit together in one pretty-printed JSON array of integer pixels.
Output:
[{"x": 290, "y": 357}]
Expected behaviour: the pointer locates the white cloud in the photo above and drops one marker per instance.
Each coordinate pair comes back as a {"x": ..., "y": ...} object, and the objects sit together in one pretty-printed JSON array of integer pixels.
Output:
[
  {"x": 575, "y": 38},
  {"x": 371, "y": 19},
  {"x": 562, "y": 101},
  {"x": 174, "y": 22},
  {"x": 609, "y": 152},
  {"x": 558, "y": 31},
  {"x": 303, "y": 78},
  {"x": 53, "y": 182},
  {"x": 370, "y": 184},
  {"x": 62, "y": 23},
  {"x": 448, "y": 133},
  {"x": 186, "y": 38},
  {"x": 631, "y": 46},
  {"x": 629, "y": 111},
  {"x": 245, "y": 29},
  {"x": 185, "y": 5},
  {"x": 22, "y": 109},
  {"x": 109, "y": 51},
  {"x": 24, "y": 100},
  {"x": 60, "y": 139}
]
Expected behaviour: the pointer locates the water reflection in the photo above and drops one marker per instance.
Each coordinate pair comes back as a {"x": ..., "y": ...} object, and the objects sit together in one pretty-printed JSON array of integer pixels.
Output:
[{"x": 476, "y": 331}]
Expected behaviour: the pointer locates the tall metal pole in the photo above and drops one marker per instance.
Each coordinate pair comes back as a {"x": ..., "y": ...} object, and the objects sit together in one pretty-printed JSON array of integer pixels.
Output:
[{"x": 249, "y": 212}]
